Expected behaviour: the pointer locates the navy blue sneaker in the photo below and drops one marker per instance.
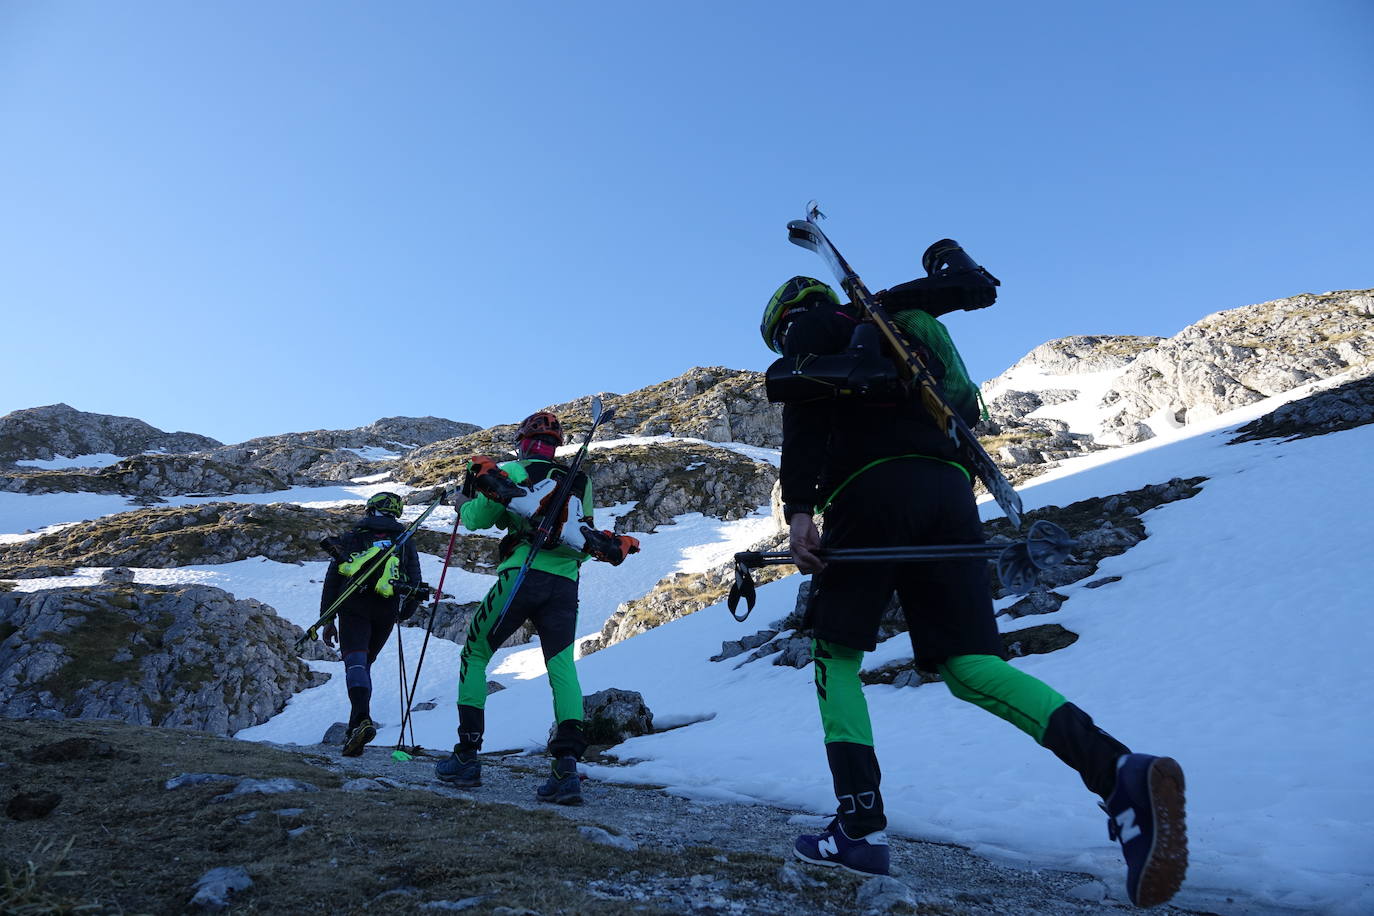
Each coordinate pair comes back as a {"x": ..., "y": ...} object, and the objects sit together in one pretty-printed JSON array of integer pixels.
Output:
[
  {"x": 359, "y": 738},
  {"x": 867, "y": 855},
  {"x": 564, "y": 786},
  {"x": 461, "y": 768},
  {"x": 1145, "y": 815}
]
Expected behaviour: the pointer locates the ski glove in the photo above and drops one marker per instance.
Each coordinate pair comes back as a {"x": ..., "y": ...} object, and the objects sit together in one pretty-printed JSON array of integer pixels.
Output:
[
  {"x": 609, "y": 547},
  {"x": 485, "y": 476}
]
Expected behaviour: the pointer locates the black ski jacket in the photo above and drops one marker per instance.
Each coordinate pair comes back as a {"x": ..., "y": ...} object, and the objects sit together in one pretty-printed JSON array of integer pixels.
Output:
[
  {"x": 825, "y": 442},
  {"x": 364, "y": 601}
]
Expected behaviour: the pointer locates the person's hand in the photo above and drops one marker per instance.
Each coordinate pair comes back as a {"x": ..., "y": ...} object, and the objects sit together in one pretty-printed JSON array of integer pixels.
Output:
[
  {"x": 330, "y": 634},
  {"x": 804, "y": 541}
]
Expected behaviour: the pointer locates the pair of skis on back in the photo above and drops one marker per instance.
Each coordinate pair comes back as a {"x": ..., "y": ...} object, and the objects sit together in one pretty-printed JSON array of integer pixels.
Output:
[{"x": 1018, "y": 563}]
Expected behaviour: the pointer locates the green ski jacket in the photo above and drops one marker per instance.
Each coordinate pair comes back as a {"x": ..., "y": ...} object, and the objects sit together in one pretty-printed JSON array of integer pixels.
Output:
[{"x": 558, "y": 559}]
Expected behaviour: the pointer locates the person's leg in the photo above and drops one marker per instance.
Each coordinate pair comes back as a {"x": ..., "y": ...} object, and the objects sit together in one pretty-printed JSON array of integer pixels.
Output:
[
  {"x": 848, "y": 737},
  {"x": 355, "y": 638},
  {"x": 485, "y": 635},
  {"x": 1038, "y": 710},
  {"x": 555, "y": 620},
  {"x": 355, "y": 635},
  {"x": 854, "y": 840}
]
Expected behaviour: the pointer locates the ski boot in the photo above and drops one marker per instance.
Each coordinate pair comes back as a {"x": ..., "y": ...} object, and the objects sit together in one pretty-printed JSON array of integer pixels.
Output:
[
  {"x": 1145, "y": 815},
  {"x": 564, "y": 786},
  {"x": 866, "y": 855},
  {"x": 359, "y": 738},
  {"x": 461, "y": 768}
]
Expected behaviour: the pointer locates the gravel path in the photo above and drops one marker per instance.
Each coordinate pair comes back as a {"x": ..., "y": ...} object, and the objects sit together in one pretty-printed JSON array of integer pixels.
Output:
[{"x": 938, "y": 878}]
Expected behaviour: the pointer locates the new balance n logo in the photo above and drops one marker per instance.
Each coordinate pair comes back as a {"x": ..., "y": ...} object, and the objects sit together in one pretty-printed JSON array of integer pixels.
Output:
[
  {"x": 1125, "y": 822},
  {"x": 828, "y": 846}
]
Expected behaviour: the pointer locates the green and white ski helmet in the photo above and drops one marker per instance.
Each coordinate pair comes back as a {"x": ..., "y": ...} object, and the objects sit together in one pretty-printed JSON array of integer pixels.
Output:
[
  {"x": 788, "y": 296},
  {"x": 386, "y": 504}
]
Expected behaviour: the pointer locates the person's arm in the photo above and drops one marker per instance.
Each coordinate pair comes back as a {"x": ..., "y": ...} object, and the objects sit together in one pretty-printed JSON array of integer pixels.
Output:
[
  {"x": 806, "y": 426},
  {"x": 481, "y": 512},
  {"x": 806, "y": 430},
  {"x": 333, "y": 585}
]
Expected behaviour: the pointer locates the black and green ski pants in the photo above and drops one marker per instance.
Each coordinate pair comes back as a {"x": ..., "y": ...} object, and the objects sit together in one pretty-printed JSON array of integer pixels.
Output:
[
  {"x": 549, "y": 602},
  {"x": 983, "y": 680}
]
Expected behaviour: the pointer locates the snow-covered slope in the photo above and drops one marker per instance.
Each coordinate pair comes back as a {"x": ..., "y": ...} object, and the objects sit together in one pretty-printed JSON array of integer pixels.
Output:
[{"x": 1233, "y": 641}]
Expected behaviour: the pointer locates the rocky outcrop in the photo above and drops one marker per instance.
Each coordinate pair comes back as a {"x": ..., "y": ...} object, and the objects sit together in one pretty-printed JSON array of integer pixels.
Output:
[
  {"x": 334, "y": 454},
  {"x": 188, "y": 656},
  {"x": 149, "y": 476},
  {"x": 1082, "y": 353},
  {"x": 1343, "y": 407},
  {"x": 163, "y": 538},
  {"x": 663, "y": 480},
  {"x": 413, "y": 432},
  {"x": 677, "y": 596},
  {"x": 1239, "y": 356},
  {"x": 715, "y": 404},
  {"x": 614, "y": 715},
  {"x": 44, "y": 433}
]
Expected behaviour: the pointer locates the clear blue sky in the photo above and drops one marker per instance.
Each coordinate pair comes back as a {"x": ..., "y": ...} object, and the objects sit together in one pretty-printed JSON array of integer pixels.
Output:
[{"x": 243, "y": 218}]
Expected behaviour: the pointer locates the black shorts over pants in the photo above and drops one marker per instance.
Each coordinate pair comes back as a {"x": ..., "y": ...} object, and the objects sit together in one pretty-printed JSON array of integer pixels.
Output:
[{"x": 948, "y": 604}]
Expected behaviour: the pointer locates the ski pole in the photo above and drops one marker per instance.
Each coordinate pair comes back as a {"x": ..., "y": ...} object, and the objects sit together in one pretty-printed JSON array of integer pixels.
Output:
[
  {"x": 424, "y": 646},
  {"x": 1018, "y": 563}
]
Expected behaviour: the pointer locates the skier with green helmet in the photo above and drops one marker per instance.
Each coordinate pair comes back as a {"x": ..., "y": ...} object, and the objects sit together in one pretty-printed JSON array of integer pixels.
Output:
[
  {"x": 869, "y": 458},
  {"x": 392, "y": 592},
  {"x": 508, "y": 496}
]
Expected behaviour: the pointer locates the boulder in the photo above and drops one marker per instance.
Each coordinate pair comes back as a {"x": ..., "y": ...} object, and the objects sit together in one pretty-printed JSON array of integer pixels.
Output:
[
  {"x": 187, "y": 656},
  {"x": 612, "y": 715}
]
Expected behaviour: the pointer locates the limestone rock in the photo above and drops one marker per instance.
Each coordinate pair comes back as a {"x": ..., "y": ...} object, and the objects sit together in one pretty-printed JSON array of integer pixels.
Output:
[
  {"x": 1233, "y": 358},
  {"x": 662, "y": 480},
  {"x": 1344, "y": 407},
  {"x": 612, "y": 715},
  {"x": 59, "y": 430},
  {"x": 713, "y": 403},
  {"x": 216, "y": 886},
  {"x": 166, "y": 537},
  {"x": 675, "y": 597},
  {"x": 149, "y": 477},
  {"x": 187, "y": 656}
]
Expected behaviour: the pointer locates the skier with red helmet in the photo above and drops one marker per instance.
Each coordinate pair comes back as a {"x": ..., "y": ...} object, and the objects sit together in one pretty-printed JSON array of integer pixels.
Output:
[{"x": 547, "y": 598}]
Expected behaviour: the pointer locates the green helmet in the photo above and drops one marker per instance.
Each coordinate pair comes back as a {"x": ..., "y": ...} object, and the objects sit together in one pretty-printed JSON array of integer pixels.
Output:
[
  {"x": 789, "y": 295},
  {"x": 385, "y": 504}
]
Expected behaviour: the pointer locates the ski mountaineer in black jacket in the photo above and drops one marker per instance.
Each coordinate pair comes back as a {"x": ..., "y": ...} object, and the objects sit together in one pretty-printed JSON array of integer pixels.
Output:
[
  {"x": 547, "y": 598},
  {"x": 883, "y": 474},
  {"x": 392, "y": 592}
]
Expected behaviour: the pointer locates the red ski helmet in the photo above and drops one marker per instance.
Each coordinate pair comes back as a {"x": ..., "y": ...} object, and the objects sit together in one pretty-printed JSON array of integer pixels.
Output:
[{"x": 542, "y": 423}]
